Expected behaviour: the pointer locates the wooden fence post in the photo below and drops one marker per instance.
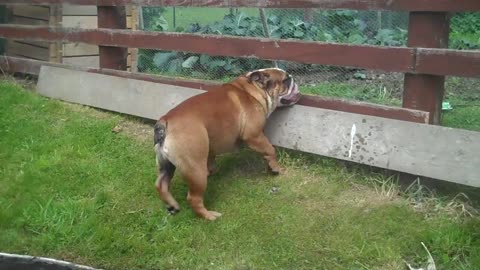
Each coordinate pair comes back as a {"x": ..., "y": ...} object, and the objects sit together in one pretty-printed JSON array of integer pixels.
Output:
[
  {"x": 113, "y": 18},
  {"x": 55, "y": 20},
  {"x": 425, "y": 92}
]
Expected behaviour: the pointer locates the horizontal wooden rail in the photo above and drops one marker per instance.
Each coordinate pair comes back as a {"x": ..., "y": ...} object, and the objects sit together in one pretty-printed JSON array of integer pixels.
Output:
[
  {"x": 395, "y": 59},
  {"x": 32, "y": 67},
  {"x": 395, "y": 5},
  {"x": 448, "y": 62},
  {"x": 390, "y": 59}
]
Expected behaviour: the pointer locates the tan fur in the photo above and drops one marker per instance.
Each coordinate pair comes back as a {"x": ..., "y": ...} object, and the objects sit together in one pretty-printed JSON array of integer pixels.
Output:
[{"x": 214, "y": 123}]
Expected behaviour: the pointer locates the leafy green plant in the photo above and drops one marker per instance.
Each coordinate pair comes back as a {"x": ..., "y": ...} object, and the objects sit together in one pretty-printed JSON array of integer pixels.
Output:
[
  {"x": 168, "y": 61},
  {"x": 461, "y": 41},
  {"x": 160, "y": 24},
  {"x": 340, "y": 26},
  {"x": 468, "y": 22},
  {"x": 465, "y": 31},
  {"x": 293, "y": 29},
  {"x": 238, "y": 24},
  {"x": 342, "y": 20},
  {"x": 242, "y": 25},
  {"x": 152, "y": 16},
  {"x": 390, "y": 37}
]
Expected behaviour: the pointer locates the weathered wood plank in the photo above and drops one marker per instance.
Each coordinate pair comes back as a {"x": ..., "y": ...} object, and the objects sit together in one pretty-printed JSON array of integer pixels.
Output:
[
  {"x": 112, "y": 18},
  {"x": 83, "y": 61},
  {"x": 448, "y": 62},
  {"x": 84, "y": 22},
  {"x": 79, "y": 49},
  {"x": 384, "y": 143},
  {"x": 27, "y": 50},
  {"x": 35, "y": 12},
  {"x": 79, "y": 21},
  {"x": 76, "y": 10},
  {"x": 28, "y": 21},
  {"x": 396, "y": 5},
  {"x": 13, "y": 64},
  {"x": 420, "y": 91},
  {"x": 365, "y": 108},
  {"x": 40, "y": 44},
  {"x": 112, "y": 93},
  {"x": 369, "y": 57},
  {"x": 426, "y": 150},
  {"x": 396, "y": 59},
  {"x": 12, "y": 54},
  {"x": 68, "y": 9}
]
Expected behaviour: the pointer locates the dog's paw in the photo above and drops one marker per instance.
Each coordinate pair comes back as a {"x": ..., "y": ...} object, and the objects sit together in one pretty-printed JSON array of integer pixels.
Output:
[
  {"x": 172, "y": 210},
  {"x": 212, "y": 215},
  {"x": 277, "y": 170}
]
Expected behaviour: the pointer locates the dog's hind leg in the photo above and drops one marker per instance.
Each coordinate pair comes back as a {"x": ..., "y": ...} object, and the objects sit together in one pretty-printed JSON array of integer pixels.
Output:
[
  {"x": 167, "y": 169},
  {"x": 197, "y": 185}
]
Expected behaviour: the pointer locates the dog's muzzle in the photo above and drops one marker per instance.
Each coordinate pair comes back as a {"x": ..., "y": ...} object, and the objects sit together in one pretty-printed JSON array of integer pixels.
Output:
[{"x": 292, "y": 96}]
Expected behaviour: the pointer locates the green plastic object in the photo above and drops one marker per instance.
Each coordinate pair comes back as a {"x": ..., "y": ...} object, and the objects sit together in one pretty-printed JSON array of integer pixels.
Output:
[{"x": 446, "y": 106}]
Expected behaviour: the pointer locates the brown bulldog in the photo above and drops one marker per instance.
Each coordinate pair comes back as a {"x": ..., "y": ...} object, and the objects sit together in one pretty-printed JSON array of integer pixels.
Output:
[{"x": 191, "y": 135}]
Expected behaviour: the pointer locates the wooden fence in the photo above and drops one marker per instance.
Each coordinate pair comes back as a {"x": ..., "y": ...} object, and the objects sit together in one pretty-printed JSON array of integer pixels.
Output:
[{"x": 426, "y": 61}]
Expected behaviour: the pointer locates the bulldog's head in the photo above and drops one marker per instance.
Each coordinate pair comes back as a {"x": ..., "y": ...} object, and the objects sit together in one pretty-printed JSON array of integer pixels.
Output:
[{"x": 278, "y": 85}]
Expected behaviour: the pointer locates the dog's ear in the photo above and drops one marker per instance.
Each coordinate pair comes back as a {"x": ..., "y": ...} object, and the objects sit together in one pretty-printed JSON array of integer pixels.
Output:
[
  {"x": 259, "y": 77},
  {"x": 256, "y": 76}
]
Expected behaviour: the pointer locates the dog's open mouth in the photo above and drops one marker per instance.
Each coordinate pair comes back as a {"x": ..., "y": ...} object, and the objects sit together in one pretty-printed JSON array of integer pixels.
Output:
[{"x": 293, "y": 95}]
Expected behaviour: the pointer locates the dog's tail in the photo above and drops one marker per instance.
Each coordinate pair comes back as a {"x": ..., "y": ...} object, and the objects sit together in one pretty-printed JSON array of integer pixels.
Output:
[
  {"x": 160, "y": 132},
  {"x": 159, "y": 135},
  {"x": 166, "y": 168}
]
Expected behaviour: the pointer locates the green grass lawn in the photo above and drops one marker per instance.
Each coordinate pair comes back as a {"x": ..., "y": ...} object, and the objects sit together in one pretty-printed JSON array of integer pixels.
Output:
[
  {"x": 185, "y": 16},
  {"x": 72, "y": 189},
  {"x": 367, "y": 93}
]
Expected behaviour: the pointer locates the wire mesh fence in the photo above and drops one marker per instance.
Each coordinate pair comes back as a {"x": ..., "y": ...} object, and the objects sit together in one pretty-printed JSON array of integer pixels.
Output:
[
  {"x": 338, "y": 26},
  {"x": 354, "y": 27},
  {"x": 341, "y": 26}
]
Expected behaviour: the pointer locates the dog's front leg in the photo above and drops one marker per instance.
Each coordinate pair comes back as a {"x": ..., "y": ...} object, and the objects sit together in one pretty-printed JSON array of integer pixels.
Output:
[{"x": 262, "y": 145}]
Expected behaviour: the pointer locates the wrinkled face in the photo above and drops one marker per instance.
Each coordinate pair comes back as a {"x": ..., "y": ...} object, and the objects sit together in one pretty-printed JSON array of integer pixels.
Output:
[{"x": 279, "y": 86}]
